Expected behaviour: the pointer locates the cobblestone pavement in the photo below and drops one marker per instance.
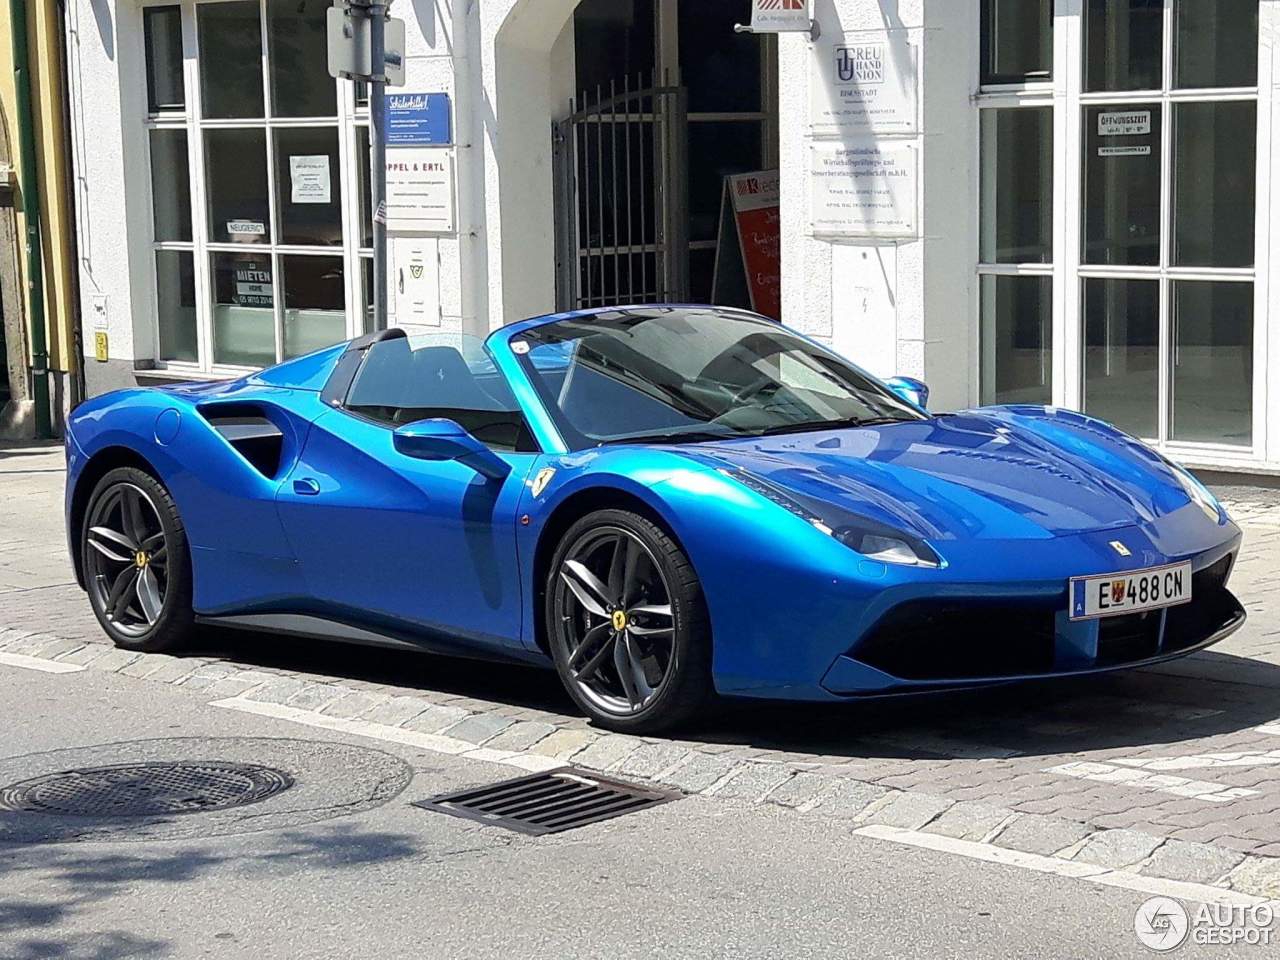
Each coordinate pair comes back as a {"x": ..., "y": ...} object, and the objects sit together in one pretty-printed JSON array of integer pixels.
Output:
[{"x": 1172, "y": 771}]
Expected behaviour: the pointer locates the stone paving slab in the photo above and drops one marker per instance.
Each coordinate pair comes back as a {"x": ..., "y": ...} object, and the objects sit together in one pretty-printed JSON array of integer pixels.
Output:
[{"x": 984, "y": 767}]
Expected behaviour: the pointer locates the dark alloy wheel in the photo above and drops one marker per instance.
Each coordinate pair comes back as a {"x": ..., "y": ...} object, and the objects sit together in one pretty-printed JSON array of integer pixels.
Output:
[
  {"x": 627, "y": 624},
  {"x": 136, "y": 566}
]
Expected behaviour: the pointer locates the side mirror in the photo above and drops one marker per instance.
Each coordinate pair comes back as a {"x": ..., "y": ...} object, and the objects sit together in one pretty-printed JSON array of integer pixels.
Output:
[
  {"x": 911, "y": 390},
  {"x": 443, "y": 440}
]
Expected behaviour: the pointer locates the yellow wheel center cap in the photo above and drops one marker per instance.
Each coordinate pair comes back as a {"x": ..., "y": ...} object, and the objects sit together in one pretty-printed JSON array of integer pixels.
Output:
[
  {"x": 141, "y": 560},
  {"x": 619, "y": 621}
]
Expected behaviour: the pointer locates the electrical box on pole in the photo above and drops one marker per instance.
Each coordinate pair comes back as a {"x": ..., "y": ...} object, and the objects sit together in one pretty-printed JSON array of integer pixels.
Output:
[{"x": 351, "y": 47}]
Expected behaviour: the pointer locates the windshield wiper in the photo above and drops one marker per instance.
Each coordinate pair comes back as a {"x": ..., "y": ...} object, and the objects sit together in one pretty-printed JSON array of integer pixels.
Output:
[
  {"x": 813, "y": 426},
  {"x": 691, "y": 436}
]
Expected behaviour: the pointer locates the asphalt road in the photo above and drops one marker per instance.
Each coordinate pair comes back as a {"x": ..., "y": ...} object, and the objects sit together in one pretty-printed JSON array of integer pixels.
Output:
[{"x": 352, "y": 870}]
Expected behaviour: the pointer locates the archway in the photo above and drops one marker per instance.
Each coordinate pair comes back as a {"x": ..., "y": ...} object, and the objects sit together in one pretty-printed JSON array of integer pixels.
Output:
[{"x": 547, "y": 60}]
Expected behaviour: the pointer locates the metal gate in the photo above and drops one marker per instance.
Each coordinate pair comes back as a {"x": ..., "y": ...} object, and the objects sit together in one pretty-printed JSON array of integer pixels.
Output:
[{"x": 622, "y": 198}]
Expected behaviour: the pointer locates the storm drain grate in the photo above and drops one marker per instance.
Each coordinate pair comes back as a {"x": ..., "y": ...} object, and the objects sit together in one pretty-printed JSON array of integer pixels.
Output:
[
  {"x": 548, "y": 802},
  {"x": 146, "y": 789}
]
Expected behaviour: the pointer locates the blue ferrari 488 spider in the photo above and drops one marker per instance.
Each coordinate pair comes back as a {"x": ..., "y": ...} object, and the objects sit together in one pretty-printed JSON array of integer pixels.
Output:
[{"x": 664, "y": 502}]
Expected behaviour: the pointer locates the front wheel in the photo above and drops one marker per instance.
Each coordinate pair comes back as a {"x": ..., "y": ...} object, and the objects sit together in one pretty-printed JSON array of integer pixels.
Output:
[
  {"x": 136, "y": 564},
  {"x": 627, "y": 624}
]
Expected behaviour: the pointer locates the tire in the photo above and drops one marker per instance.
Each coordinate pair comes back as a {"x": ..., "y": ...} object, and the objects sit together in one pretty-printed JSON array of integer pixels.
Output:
[
  {"x": 608, "y": 629},
  {"x": 136, "y": 562}
]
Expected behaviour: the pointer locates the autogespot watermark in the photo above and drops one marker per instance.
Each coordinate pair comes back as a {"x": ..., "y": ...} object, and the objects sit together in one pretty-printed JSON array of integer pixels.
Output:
[{"x": 1164, "y": 924}]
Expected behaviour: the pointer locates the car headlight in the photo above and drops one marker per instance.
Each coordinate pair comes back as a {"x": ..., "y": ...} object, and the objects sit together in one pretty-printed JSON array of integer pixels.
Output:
[
  {"x": 1199, "y": 494},
  {"x": 886, "y": 548},
  {"x": 875, "y": 541}
]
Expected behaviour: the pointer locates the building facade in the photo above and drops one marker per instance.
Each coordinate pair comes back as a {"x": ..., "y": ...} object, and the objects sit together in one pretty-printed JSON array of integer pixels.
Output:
[{"x": 1058, "y": 202}]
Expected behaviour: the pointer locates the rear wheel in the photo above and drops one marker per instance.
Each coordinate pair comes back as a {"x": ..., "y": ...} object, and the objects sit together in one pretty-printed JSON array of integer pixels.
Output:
[
  {"x": 136, "y": 564},
  {"x": 627, "y": 624}
]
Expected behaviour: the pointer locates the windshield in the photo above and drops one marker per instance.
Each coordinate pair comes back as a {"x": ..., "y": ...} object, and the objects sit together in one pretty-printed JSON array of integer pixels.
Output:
[{"x": 685, "y": 374}]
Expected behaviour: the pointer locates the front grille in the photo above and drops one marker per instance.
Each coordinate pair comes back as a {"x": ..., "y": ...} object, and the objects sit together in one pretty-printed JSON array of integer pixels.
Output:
[
  {"x": 1212, "y": 608},
  {"x": 962, "y": 639},
  {"x": 976, "y": 638},
  {"x": 1132, "y": 636}
]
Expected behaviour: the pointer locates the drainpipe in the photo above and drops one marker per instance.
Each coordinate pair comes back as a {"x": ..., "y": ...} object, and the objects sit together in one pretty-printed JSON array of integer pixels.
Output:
[{"x": 30, "y": 187}]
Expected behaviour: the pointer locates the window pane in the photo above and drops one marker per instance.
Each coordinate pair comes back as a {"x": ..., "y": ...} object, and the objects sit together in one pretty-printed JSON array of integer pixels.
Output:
[
  {"x": 310, "y": 193},
  {"x": 1212, "y": 383},
  {"x": 1017, "y": 340},
  {"x": 614, "y": 38},
  {"x": 1216, "y": 43},
  {"x": 315, "y": 303},
  {"x": 299, "y": 59},
  {"x": 244, "y": 324},
  {"x": 162, "y": 33},
  {"x": 171, "y": 185},
  {"x": 1215, "y": 181},
  {"x": 239, "y": 211},
  {"x": 1122, "y": 184},
  {"x": 230, "y": 59},
  {"x": 1017, "y": 40},
  {"x": 1123, "y": 44},
  {"x": 719, "y": 68},
  {"x": 1121, "y": 362},
  {"x": 362, "y": 168},
  {"x": 176, "y": 304},
  {"x": 1017, "y": 185}
]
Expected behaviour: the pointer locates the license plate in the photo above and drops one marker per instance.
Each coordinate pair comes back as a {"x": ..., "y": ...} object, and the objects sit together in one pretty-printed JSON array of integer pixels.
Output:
[{"x": 1112, "y": 594}]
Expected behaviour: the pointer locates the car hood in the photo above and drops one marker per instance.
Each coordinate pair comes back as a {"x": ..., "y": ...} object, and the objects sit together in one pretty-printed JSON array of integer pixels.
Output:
[{"x": 987, "y": 474}]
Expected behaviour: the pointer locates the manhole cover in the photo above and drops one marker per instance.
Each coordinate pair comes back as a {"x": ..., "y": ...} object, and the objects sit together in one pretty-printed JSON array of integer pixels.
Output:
[
  {"x": 146, "y": 789},
  {"x": 139, "y": 791}
]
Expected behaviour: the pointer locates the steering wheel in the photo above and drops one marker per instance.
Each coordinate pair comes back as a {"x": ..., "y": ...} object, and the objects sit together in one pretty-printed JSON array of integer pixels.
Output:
[{"x": 755, "y": 388}]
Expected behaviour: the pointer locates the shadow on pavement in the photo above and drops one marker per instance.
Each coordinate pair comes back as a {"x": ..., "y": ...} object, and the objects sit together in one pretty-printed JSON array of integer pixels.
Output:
[
  {"x": 73, "y": 880},
  {"x": 1049, "y": 718}
]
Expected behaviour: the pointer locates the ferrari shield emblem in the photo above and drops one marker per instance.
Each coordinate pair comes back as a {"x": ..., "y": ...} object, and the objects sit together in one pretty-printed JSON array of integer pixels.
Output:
[{"x": 541, "y": 480}]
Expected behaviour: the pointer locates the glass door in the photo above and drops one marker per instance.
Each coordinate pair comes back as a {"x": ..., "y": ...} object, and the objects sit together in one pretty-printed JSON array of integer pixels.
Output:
[{"x": 1168, "y": 183}]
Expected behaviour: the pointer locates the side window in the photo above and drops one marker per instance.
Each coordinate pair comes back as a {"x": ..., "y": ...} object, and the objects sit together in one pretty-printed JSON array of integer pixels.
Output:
[{"x": 407, "y": 380}]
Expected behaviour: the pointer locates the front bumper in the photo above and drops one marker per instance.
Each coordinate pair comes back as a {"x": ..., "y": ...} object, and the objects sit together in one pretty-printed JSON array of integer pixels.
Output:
[{"x": 961, "y": 641}]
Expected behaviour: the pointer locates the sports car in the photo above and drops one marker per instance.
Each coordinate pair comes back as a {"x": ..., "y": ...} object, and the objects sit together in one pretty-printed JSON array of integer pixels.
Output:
[{"x": 663, "y": 503}]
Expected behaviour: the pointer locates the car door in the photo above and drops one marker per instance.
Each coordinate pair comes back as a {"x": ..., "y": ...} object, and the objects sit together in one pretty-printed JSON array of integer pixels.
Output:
[{"x": 403, "y": 543}]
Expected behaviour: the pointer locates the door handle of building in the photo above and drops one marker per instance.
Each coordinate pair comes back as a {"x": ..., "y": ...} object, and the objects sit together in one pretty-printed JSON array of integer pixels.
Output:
[{"x": 306, "y": 487}]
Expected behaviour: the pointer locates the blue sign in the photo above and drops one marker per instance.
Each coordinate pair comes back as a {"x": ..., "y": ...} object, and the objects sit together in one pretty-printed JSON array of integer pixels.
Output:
[{"x": 419, "y": 120}]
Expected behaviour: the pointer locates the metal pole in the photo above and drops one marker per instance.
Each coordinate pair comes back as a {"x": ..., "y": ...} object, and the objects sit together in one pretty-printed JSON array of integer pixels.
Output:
[{"x": 378, "y": 160}]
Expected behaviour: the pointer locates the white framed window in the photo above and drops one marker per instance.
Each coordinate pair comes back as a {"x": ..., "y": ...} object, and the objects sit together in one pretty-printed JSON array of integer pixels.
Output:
[
  {"x": 1144, "y": 313},
  {"x": 1017, "y": 246},
  {"x": 259, "y": 170}
]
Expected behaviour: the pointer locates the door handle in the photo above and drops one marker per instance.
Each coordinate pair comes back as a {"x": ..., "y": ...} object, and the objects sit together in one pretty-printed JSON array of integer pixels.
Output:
[{"x": 306, "y": 487}]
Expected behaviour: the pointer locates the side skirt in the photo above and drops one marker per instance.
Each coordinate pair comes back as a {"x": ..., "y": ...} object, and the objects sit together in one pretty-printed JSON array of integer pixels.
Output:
[{"x": 321, "y": 628}]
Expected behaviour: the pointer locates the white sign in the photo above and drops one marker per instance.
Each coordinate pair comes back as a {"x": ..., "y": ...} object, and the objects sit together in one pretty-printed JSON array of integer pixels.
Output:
[
  {"x": 866, "y": 190},
  {"x": 415, "y": 280},
  {"x": 1124, "y": 151},
  {"x": 420, "y": 190},
  {"x": 780, "y": 16},
  {"x": 1132, "y": 124},
  {"x": 246, "y": 228},
  {"x": 311, "y": 180},
  {"x": 865, "y": 83}
]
